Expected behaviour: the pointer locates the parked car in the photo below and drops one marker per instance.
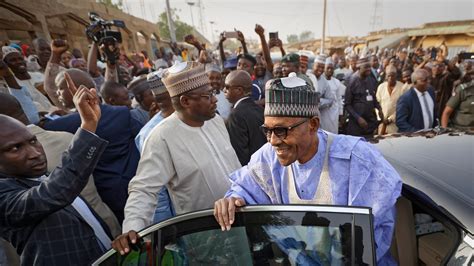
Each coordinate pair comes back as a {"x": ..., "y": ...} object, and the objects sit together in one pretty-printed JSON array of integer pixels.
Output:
[
  {"x": 434, "y": 223},
  {"x": 435, "y": 215}
]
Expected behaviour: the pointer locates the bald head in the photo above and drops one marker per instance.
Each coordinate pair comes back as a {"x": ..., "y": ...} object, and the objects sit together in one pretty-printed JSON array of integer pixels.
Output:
[
  {"x": 239, "y": 78},
  {"x": 79, "y": 77},
  {"x": 238, "y": 84},
  {"x": 9, "y": 106},
  {"x": 420, "y": 79},
  {"x": 21, "y": 155}
]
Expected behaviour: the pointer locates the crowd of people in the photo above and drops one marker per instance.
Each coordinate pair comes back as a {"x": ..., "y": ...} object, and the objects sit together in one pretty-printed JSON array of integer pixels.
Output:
[{"x": 92, "y": 150}]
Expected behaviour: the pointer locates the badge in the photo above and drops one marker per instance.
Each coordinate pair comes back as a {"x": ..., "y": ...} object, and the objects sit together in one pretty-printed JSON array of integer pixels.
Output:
[{"x": 369, "y": 98}]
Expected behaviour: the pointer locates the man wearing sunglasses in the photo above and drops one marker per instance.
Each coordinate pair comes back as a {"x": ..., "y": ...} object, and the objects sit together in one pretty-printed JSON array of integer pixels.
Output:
[
  {"x": 189, "y": 152},
  {"x": 304, "y": 165},
  {"x": 245, "y": 117}
]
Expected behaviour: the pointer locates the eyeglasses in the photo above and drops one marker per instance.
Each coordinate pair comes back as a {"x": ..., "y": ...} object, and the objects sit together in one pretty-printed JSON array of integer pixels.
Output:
[
  {"x": 207, "y": 95},
  {"x": 280, "y": 132}
]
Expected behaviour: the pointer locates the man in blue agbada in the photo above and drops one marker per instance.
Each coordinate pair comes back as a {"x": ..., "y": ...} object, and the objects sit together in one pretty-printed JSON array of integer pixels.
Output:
[{"x": 301, "y": 164}]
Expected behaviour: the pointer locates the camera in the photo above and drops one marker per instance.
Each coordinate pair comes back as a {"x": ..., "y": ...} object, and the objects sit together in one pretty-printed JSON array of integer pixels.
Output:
[{"x": 100, "y": 31}]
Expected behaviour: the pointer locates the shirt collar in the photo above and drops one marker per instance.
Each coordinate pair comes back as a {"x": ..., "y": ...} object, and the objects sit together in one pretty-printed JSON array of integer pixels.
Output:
[
  {"x": 419, "y": 93},
  {"x": 241, "y": 99}
]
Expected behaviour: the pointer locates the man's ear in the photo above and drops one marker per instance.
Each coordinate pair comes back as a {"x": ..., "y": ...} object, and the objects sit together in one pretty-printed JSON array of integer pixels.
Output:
[
  {"x": 110, "y": 100},
  {"x": 314, "y": 123},
  {"x": 184, "y": 101}
]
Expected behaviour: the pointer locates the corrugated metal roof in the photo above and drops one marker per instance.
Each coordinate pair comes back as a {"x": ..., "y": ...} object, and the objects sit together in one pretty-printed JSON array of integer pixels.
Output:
[
  {"x": 390, "y": 41},
  {"x": 446, "y": 30}
]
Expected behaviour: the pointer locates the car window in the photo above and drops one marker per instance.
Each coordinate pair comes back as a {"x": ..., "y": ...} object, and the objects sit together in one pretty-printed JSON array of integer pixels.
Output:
[{"x": 271, "y": 237}]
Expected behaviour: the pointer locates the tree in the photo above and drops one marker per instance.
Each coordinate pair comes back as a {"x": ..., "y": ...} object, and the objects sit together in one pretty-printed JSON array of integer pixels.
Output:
[
  {"x": 292, "y": 38},
  {"x": 182, "y": 29},
  {"x": 109, "y": 3},
  {"x": 306, "y": 36}
]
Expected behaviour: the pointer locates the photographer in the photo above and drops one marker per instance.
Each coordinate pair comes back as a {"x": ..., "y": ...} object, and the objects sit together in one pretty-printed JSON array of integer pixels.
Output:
[{"x": 111, "y": 69}]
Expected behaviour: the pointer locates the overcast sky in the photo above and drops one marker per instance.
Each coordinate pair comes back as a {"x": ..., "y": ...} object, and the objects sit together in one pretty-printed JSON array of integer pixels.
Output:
[{"x": 344, "y": 17}]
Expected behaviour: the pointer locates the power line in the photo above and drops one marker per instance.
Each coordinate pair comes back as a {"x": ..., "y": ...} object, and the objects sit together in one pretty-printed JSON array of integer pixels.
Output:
[{"x": 377, "y": 18}]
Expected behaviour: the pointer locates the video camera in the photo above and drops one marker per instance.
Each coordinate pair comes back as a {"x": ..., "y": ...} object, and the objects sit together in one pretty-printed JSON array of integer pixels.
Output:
[{"x": 100, "y": 31}]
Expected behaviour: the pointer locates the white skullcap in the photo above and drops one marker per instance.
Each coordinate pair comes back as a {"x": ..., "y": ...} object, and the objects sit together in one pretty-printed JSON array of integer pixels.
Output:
[
  {"x": 6, "y": 50},
  {"x": 320, "y": 59}
]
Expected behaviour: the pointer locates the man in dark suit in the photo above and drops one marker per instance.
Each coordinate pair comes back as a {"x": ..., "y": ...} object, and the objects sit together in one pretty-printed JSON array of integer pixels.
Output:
[
  {"x": 245, "y": 118},
  {"x": 360, "y": 102},
  {"x": 416, "y": 108},
  {"x": 119, "y": 162},
  {"x": 43, "y": 217}
]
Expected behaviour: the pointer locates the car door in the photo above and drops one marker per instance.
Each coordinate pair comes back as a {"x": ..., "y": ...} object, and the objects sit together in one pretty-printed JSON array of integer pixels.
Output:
[{"x": 260, "y": 235}]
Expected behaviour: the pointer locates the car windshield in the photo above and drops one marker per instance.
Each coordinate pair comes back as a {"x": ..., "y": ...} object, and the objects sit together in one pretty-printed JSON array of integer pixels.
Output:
[{"x": 261, "y": 235}]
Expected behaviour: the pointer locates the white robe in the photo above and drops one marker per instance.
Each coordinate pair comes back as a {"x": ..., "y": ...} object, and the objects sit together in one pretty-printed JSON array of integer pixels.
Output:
[
  {"x": 42, "y": 103},
  {"x": 328, "y": 106},
  {"x": 339, "y": 90},
  {"x": 194, "y": 163}
]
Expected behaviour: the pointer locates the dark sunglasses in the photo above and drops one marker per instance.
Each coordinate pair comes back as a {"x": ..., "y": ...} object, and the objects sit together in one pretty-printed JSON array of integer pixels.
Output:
[{"x": 280, "y": 132}]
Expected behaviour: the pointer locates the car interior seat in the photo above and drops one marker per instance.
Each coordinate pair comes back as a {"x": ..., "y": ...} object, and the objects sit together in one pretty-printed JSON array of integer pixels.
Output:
[{"x": 404, "y": 248}]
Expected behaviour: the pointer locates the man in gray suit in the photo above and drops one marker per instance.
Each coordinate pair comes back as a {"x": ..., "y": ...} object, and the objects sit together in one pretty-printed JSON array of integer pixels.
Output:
[{"x": 43, "y": 217}]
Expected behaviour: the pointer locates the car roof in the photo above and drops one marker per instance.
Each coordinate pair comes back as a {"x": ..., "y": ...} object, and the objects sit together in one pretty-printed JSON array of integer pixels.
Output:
[{"x": 440, "y": 166}]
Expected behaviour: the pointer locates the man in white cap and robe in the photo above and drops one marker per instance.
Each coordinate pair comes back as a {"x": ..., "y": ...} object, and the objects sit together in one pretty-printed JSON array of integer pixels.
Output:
[
  {"x": 189, "y": 152},
  {"x": 337, "y": 89},
  {"x": 32, "y": 81},
  {"x": 304, "y": 165},
  {"x": 328, "y": 101}
]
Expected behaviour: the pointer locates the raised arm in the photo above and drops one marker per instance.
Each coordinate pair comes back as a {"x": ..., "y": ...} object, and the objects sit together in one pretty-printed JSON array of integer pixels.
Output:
[
  {"x": 194, "y": 42},
  {"x": 241, "y": 38},
  {"x": 266, "y": 51},
  {"x": 58, "y": 47},
  {"x": 65, "y": 182},
  {"x": 111, "y": 71},
  {"x": 277, "y": 43},
  {"x": 221, "y": 49},
  {"x": 92, "y": 61}
]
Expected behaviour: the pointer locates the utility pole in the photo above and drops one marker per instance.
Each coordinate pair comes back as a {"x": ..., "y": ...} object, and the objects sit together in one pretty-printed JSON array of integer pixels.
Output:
[
  {"x": 212, "y": 30},
  {"x": 201, "y": 20},
  {"x": 324, "y": 28},
  {"x": 191, "y": 4},
  {"x": 377, "y": 19},
  {"x": 170, "y": 22}
]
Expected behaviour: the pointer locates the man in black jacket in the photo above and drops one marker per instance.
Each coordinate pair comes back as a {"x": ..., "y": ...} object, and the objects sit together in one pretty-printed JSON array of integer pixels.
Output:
[
  {"x": 245, "y": 118},
  {"x": 42, "y": 216}
]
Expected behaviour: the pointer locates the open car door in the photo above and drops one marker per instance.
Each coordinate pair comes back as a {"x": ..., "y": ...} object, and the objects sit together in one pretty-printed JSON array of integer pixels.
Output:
[{"x": 260, "y": 235}]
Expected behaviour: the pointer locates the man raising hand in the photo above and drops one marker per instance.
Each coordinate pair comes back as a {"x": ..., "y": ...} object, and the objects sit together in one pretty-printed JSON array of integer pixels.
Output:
[{"x": 41, "y": 215}]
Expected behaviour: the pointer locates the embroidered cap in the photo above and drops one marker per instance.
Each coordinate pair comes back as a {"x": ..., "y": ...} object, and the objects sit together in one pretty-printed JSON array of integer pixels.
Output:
[
  {"x": 184, "y": 77},
  {"x": 304, "y": 60},
  {"x": 212, "y": 68},
  {"x": 362, "y": 61},
  {"x": 155, "y": 82},
  {"x": 291, "y": 97},
  {"x": 329, "y": 61}
]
